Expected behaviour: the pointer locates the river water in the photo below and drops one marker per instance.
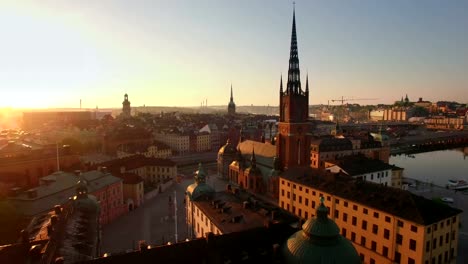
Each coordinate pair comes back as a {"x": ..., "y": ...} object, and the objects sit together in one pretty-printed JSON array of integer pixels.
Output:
[{"x": 436, "y": 167}]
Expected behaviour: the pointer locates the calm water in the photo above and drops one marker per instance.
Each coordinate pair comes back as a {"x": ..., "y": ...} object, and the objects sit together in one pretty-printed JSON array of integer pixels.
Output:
[{"x": 436, "y": 166}]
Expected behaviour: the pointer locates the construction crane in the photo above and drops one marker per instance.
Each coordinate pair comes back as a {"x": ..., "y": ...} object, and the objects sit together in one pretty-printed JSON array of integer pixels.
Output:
[{"x": 342, "y": 100}]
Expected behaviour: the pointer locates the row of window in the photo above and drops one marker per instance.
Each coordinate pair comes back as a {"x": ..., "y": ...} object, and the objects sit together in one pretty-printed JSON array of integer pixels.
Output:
[
  {"x": 441, "y": 224},
  {"x": 441, "y": 241}
]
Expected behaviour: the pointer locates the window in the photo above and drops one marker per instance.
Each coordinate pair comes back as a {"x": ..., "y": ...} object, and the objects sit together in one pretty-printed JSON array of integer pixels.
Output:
[
  {"x": 363, "y": 241},
  {"x": 294, "y": 186},
  {"x": 441, "y": 240},
  {"x": 376, "y": 215},
  {"x": 353, "y": 236},
  {"x": 447, "y": 238},
  {"x": 354, "y": 220},
  {"x": 306, "y": 215},
  {"x": 385, "y": 251},
  {"x": 400, "y": 223},
  {"x": 313, "y": 204},
  {"x": 428, "y": 246},
  {"x": 434, "y": 243},
  {"x": 306, "y": 201},
  {"x": 328, "y": 198},
  {"x": 343, "y": 232},
  {"x": 345, "y": 204},
  {"x": 299, "y": 212},
  {"x": 412, "y": 244},
  {"x": 364, "y": 210},
  {"x": 289, "y": 195},
  {"x": 397, "y": 257},
  {"x": 411, "y": 261},
  {"x": 399, "y": 239},
  {"x": 386, "y": 233},
  {"x": 307, "y": 190},
  {"x": 282, "y": 192},
  {"x": 300, "y": 199},
  {"x": 387, "y": 219},
  {"x": 434, "y": 226},
  {"x": 300, "y": 188},
  {"x": 345, "y": 217},
  {"x": 414, "y": 228},
  {"x": 337, "y": 201},
  {"x": 364, "y": 224},
  {"x": 375, "y": 229},
  {"x": 337, "y": 214},
  {"x": 294, "y": 197},
  {"x": 372, "y": 261},
  {"x": 355, "y": 207},
  {"x": 428, "y": 230}
]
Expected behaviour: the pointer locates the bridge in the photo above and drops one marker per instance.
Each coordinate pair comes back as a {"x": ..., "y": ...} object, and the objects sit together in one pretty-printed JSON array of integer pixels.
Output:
[{"x": 429, "y": 141}]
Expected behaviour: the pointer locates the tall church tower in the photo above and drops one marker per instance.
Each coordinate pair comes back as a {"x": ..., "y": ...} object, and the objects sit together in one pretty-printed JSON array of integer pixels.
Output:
[
  {"x": 231, "y": 105},
  {"x": 126, "y": 107},
  {"x": 293, "y": 129}
]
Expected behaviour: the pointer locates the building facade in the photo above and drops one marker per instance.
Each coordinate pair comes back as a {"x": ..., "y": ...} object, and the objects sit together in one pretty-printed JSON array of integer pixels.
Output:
[
  {"x": 386, "y": 225},
  {"x": 179, "y": 143}
]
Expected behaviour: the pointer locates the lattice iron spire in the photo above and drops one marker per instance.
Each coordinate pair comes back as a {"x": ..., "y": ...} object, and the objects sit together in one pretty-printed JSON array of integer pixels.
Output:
[{"x": 294, "y": 80}]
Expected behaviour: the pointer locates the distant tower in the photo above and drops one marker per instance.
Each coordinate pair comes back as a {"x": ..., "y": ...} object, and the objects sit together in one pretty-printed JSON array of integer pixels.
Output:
[
  {"x": 231, "y": 105},
  {"x": 293, "y": 129},
  {"x": 126, "y": 110}
]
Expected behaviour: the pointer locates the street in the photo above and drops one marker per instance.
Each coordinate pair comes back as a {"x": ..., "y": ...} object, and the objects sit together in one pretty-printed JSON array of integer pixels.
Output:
[{"x": 152, "y": 221}]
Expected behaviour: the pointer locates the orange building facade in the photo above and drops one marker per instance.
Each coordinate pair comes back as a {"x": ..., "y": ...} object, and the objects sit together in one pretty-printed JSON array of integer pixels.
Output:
[{"x": 385, "y": 225}]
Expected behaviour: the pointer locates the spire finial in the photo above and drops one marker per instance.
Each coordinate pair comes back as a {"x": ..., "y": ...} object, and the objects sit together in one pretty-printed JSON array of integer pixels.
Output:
[{"x": 307, "y": 82}]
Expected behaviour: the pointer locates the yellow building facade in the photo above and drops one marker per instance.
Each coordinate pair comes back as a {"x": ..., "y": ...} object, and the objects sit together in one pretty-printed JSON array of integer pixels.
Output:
[{"x": 405, "y": 228}]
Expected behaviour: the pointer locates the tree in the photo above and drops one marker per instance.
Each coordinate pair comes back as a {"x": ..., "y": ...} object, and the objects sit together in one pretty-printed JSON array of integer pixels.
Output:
[{"x": 419, "y": 111}]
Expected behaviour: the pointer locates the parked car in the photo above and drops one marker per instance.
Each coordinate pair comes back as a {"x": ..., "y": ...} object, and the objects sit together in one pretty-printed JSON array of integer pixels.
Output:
[{"x": 447, "y": 199}]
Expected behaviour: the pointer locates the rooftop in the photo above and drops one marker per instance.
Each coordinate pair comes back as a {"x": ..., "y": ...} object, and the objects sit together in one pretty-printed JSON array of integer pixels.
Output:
[
  {"x": 56, "y": 189},
  {"x": 234, "y": 211},
  {"x": 359, "y": 164},
  {"x": 393, "y": 201}
]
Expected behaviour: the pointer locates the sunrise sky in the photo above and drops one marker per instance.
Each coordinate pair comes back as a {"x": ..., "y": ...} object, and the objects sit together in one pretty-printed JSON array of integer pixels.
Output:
[{"x": 180, "y": 52}]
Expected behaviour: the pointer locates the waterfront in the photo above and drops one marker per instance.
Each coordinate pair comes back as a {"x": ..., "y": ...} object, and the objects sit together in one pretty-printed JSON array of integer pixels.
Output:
[{"x": 435, "y": 167}]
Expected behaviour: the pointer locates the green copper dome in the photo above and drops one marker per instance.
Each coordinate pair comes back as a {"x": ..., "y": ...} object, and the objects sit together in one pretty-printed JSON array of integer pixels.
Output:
[
  {"x": 199, "y": 188},
  {"x": 319, "y": 242}
]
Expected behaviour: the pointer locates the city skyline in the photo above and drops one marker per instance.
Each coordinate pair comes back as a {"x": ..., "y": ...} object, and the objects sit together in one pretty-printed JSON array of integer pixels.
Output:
[{"x": 181, "y": 53}]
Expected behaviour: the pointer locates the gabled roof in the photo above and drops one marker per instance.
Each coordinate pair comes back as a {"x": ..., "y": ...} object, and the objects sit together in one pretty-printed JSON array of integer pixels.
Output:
[{"x": 359, "y": 164}]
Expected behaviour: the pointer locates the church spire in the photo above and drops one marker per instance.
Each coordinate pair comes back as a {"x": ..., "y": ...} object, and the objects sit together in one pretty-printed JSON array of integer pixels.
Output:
[
  {"x": 307, "y": 84},
  {"x": 232, "y": 98},
  {"x": 281, "y": 84},
  {"x": 253, "y": 160},
  {"x": 294, "y": 82}
]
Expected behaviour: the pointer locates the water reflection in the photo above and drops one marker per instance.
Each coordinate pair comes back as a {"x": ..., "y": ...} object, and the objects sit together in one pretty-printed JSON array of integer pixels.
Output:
[{"x": 435, "y": 167}]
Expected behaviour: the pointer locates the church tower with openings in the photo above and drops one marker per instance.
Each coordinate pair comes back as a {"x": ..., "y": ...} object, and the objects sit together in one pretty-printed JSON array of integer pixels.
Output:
[{"x": 293, "y": 129}]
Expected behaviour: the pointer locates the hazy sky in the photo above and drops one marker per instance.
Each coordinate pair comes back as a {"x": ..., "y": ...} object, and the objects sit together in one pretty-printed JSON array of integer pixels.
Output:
[{"x": 180, "y": 52}]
